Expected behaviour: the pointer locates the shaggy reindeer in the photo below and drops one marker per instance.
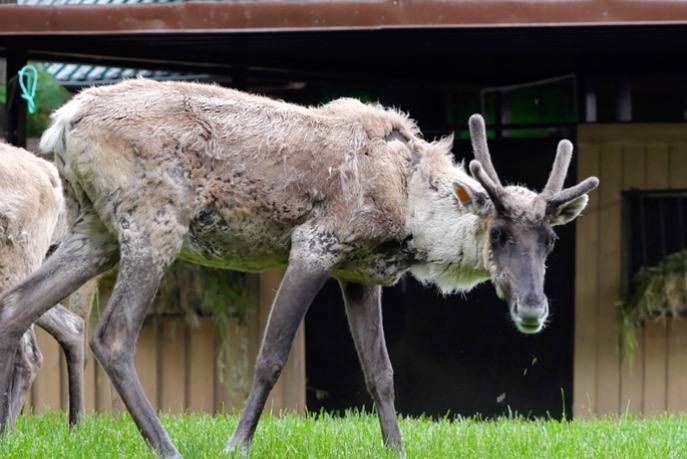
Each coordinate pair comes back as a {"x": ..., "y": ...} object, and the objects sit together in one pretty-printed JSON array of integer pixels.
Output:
[
  {"x": 31, "y": 205},
  {"x": 159, "y": 171}
]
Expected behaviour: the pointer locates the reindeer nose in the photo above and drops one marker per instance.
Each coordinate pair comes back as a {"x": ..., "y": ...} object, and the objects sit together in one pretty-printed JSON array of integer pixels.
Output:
[{"x": 534, "y": 300}]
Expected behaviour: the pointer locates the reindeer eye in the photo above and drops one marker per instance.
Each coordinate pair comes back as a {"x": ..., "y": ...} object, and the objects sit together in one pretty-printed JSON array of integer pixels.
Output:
[{"x": 497, "y": 236}]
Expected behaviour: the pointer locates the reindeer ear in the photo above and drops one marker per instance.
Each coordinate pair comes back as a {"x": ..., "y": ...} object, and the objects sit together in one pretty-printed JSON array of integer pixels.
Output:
[
  {"x": 568, "y": 211},
  {"x": 473, "y": 200}
]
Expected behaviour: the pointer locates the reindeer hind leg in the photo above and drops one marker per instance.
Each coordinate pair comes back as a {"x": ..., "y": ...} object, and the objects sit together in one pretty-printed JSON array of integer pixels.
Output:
[
  {"x": 69, "y": 330},
  {"x": 146, "y": 249},
  {"x": 28, "y": 361}
]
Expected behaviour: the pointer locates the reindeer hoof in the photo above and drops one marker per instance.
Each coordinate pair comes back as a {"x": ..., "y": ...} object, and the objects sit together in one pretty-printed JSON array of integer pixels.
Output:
[
  {"x": 236, "y": 445},
  {"x": 170, "y": 454},
  {"x": 400, "y": 451}
]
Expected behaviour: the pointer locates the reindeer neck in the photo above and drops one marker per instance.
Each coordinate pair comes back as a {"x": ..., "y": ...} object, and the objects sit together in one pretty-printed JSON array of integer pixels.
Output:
[{"x": 447, "y": 240}]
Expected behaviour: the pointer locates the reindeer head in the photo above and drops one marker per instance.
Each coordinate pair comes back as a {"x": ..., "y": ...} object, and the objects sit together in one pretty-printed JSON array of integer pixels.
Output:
[{"x": 519, "y": 234}]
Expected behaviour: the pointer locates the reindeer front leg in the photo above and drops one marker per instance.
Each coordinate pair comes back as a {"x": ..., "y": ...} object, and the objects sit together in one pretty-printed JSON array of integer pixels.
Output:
[
  {"x": 364, "y": 312},
  {"x": 304, "y": 277}
]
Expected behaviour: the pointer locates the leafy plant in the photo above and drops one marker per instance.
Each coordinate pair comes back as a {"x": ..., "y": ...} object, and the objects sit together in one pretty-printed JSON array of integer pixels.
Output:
[
  {"x": 657, "y": 292},
  {"x": 50, "y": 95}
]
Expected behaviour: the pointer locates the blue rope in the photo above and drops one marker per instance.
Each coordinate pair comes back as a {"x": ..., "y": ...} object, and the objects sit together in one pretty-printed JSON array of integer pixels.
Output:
[{"x": 28, "y": 80}]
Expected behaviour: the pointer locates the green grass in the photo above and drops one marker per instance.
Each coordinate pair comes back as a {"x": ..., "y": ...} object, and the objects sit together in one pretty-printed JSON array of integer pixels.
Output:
[{"x": 356, "y": 436}]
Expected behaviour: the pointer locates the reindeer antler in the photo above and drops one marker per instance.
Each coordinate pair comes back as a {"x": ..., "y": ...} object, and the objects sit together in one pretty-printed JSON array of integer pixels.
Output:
[
  {"x": 493, "y": 190},
  {"x": 481, "y": 167},
  {"x": 574, "y": 192},
  {"x": 553, "y": 193},
  {"x": 559, "y": 169},
  {"x": 478, "y": 137}
]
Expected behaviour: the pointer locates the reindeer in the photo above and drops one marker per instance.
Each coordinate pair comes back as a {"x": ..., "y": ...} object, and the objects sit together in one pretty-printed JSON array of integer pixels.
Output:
[
  {"x": 159, "y": 171},
  {"x": 31, "y": 206}
]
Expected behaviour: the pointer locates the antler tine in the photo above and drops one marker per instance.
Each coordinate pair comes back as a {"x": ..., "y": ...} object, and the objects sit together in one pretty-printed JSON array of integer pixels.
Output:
[
  {"x": 494, "y": 191},
  {"x": 478, "y": 137},
  {"x": 574, "y": 192},
  {"x": 560, "y": 168}
]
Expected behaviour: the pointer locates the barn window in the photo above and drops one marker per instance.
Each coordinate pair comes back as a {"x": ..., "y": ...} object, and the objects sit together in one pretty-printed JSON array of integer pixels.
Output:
[{"x": 654, "y": 253}]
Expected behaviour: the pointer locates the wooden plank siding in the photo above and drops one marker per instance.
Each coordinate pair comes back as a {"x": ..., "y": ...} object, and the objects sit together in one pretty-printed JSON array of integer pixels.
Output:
[
  {"x": 586, "y": 300},
  {"x": 607, "y": 363},
  {"x": 632, "y": 368},
  {"x": 46, "y": 392},
  {"x": 642, "y": 156},
  {"x": 677, "y": 330},
  {"x": 185, "y": 366},
  {"x": 655, "y": 333}
]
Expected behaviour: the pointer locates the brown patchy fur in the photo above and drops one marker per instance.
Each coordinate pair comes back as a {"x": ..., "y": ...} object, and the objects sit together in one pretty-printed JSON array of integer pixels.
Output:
[{"x": 244, "y": 169}]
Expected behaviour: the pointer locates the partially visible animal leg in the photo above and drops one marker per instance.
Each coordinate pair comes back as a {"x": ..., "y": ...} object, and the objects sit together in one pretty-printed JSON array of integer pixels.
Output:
[
  {"x": 364, "y": 312},
  {"x": 141, "y": 268},
  {"x": 79, "y": 257},
  {"x": 28, "y": 361},
  {"x": 70, "y": 331},
  {"x": 298, "y": 288}
]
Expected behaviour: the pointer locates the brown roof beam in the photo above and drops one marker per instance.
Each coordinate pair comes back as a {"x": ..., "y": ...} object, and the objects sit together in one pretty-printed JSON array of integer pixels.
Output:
[{"x": 196, "y": 17}]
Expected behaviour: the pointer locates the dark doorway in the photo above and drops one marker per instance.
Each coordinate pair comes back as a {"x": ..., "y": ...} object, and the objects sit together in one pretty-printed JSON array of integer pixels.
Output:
[{"x": 458, "y": 354}]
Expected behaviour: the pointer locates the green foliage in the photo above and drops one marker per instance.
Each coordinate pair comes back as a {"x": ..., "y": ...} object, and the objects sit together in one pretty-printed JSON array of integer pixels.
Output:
[
  {"x": 356, "y": 435},
  {"x": 657, "y": 292},
  {"x": 50, "y": 95},
  {"x": 192, "y": 290}
]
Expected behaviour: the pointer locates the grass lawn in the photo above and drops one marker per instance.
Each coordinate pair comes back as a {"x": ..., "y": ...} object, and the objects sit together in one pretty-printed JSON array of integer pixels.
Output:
[{"x": 356, "y": 435}]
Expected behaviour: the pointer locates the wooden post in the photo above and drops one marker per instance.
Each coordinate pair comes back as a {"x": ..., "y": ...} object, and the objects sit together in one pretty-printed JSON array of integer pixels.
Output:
[
  {"x": 202, "y": 357},
  {"x": 172, "y": 342},
  {"x": 632, "y": 367},
  {"x": 147, "y": 360},
  {"x": 46, "y": 390},
  {"x": 16, "y": 107},
  {"x": 655, "y": 337},
  {"x": 608, "y": 356},
  {"x": 586, "y": 286}
]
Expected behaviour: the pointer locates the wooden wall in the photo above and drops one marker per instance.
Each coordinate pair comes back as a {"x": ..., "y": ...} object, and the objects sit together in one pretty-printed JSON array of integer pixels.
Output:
[
  {"x": 643, "y": 156},
  {"x": 182, "y": 366}
]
